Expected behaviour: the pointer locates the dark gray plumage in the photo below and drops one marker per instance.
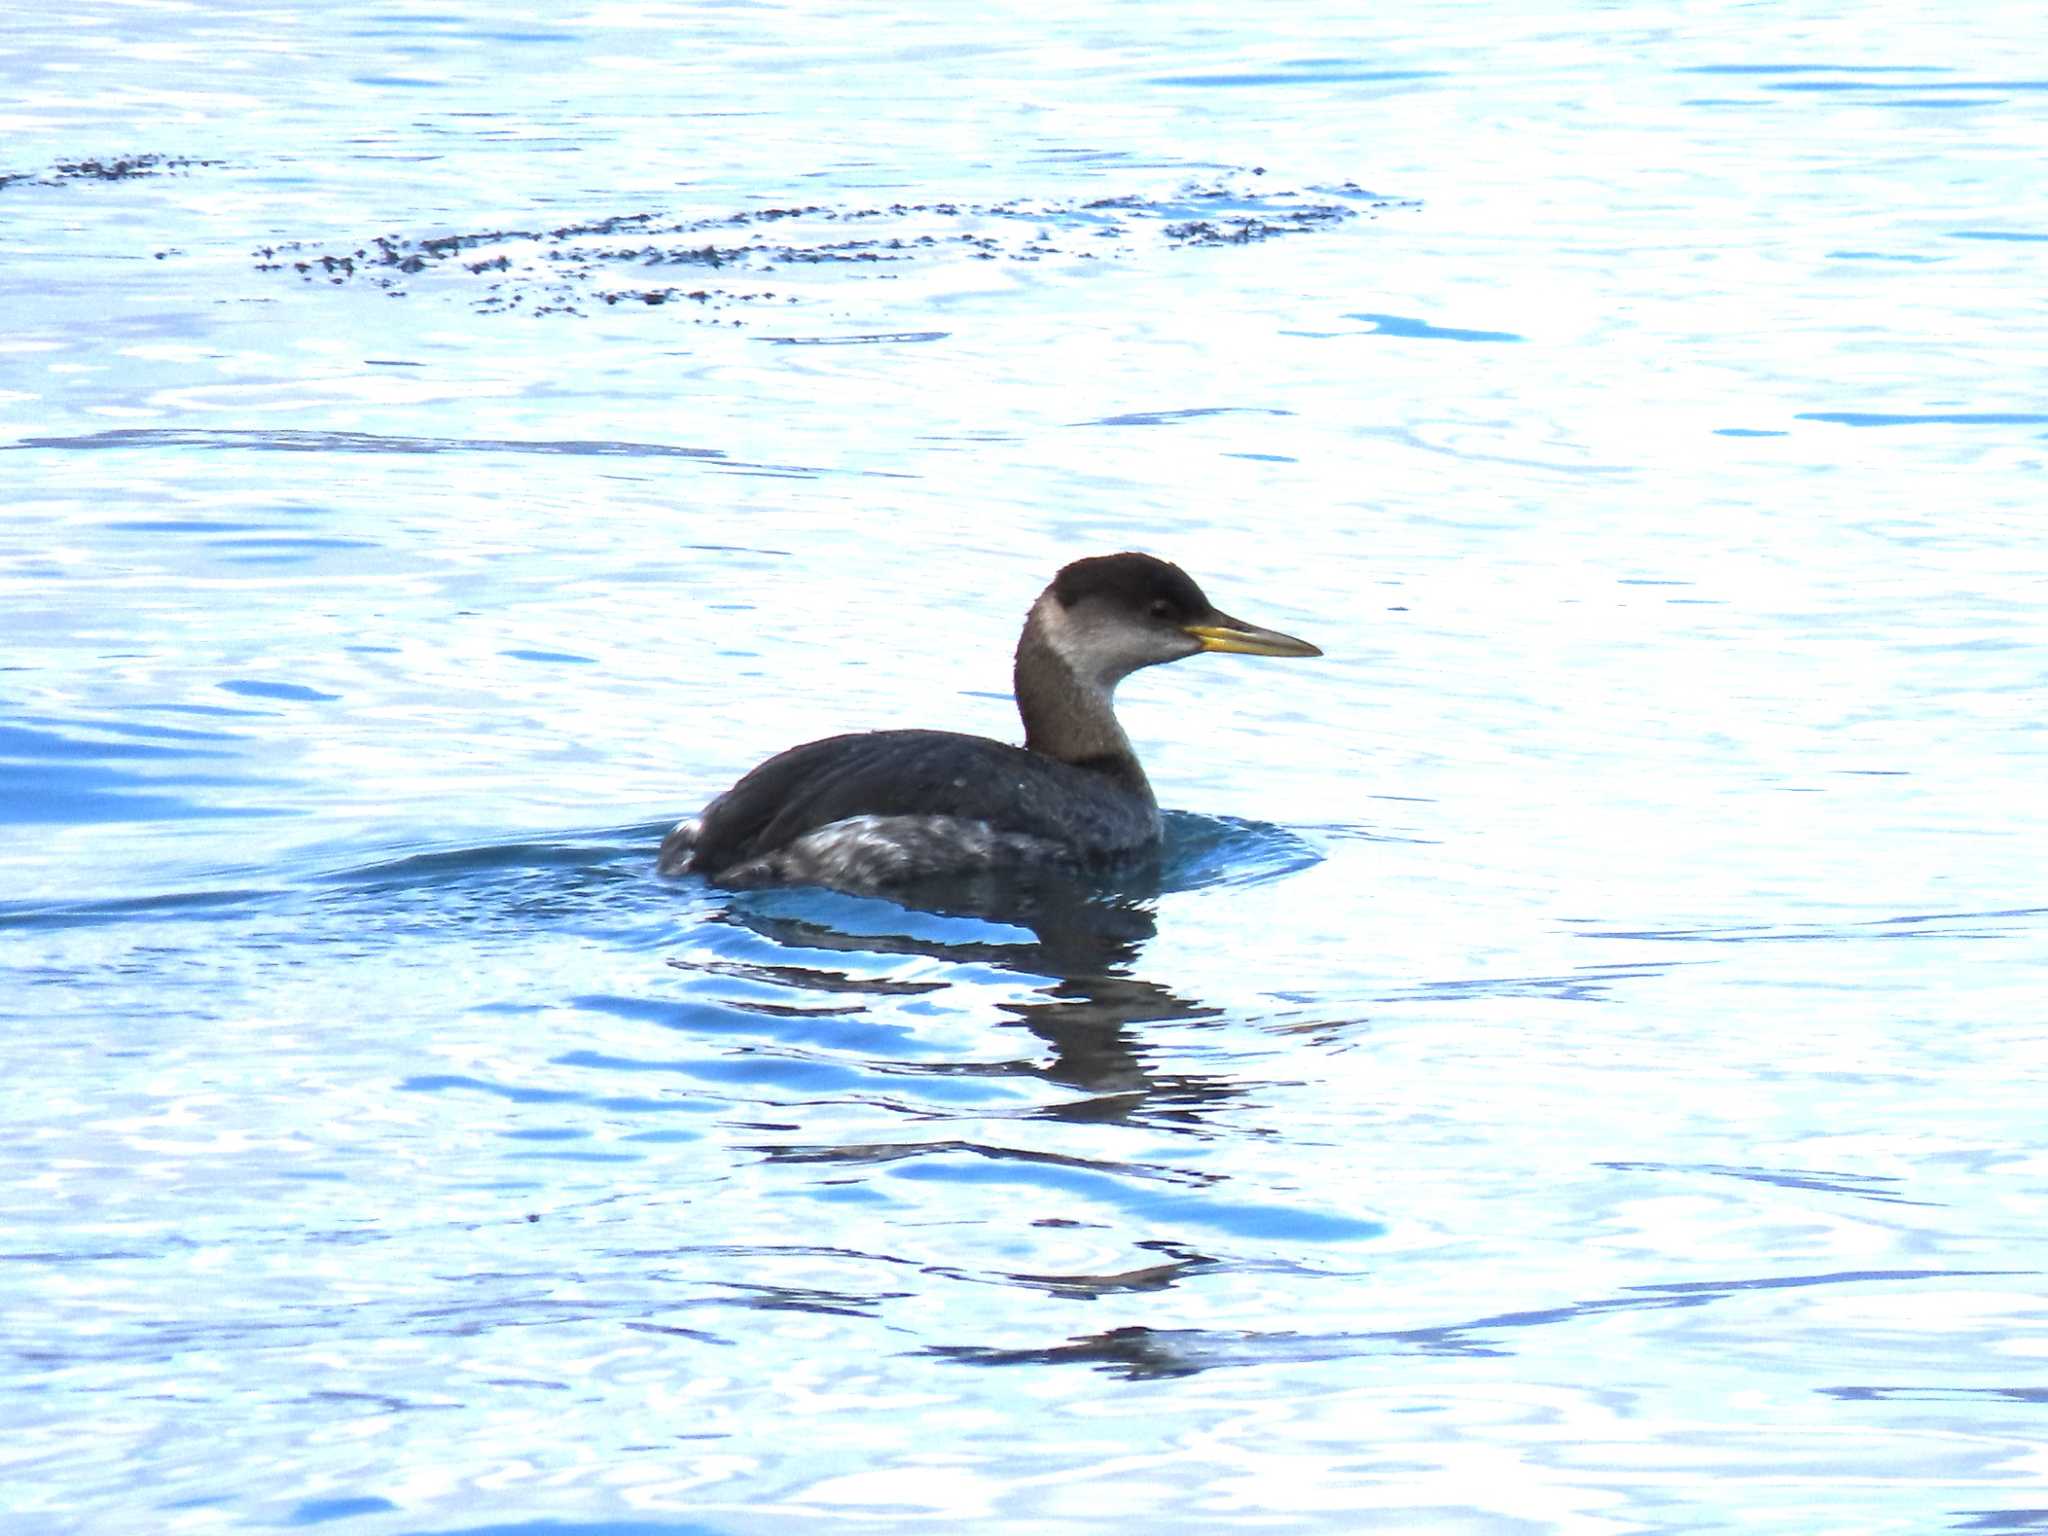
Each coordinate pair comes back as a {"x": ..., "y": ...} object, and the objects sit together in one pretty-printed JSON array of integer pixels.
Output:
[{"x": 873, "y": 809}]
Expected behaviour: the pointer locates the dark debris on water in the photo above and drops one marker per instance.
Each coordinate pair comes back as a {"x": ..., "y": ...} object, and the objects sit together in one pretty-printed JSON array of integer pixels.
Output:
[
  {"x": 562, "y": 269},
  {"x": 121, "y": 168},
  {"x": 542, "y": 271}
]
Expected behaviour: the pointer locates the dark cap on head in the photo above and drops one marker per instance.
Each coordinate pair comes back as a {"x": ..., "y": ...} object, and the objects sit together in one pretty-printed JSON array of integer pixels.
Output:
[{"x": 1131, "y": 581}]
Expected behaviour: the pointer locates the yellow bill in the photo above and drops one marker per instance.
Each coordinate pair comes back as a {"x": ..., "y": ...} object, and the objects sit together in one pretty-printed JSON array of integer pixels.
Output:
[{"x": 1219, "y": 632}]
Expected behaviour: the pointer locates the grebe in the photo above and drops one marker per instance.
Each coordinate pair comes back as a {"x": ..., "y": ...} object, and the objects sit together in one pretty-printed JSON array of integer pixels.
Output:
[{"x": 868, "y": 810}]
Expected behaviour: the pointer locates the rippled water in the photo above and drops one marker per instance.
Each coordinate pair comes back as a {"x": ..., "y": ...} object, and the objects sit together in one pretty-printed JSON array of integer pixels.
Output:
[{"x": 1582, "y": 1065}]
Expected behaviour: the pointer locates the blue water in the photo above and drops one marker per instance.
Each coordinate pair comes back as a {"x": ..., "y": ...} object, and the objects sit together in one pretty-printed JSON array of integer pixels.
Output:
[{"x": 1581, "y": 1068}]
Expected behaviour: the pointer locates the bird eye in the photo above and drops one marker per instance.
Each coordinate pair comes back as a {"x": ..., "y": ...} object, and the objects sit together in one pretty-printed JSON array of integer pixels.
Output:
[{"x": 1161, "y": 608}]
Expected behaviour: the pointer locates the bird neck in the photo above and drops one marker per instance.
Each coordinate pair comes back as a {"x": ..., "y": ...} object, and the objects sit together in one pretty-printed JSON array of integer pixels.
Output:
[{"x": 1069, "y": 715}]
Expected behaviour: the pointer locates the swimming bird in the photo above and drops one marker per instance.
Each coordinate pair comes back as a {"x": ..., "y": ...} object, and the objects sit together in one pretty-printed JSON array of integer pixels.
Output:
[{"x": 877, "y": 808}]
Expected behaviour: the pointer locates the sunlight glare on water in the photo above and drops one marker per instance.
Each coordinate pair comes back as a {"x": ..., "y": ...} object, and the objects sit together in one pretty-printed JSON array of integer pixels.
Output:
[{"x": 1579, "y": 1066}]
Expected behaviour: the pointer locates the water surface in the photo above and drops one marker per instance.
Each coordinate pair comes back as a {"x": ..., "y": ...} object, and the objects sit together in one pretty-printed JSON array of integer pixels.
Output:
[{"x": 1581, "y": 1066}]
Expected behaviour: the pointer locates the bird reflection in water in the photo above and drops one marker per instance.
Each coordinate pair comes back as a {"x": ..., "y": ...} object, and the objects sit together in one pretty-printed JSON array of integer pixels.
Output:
[{"x": 1081, "y": 934}]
